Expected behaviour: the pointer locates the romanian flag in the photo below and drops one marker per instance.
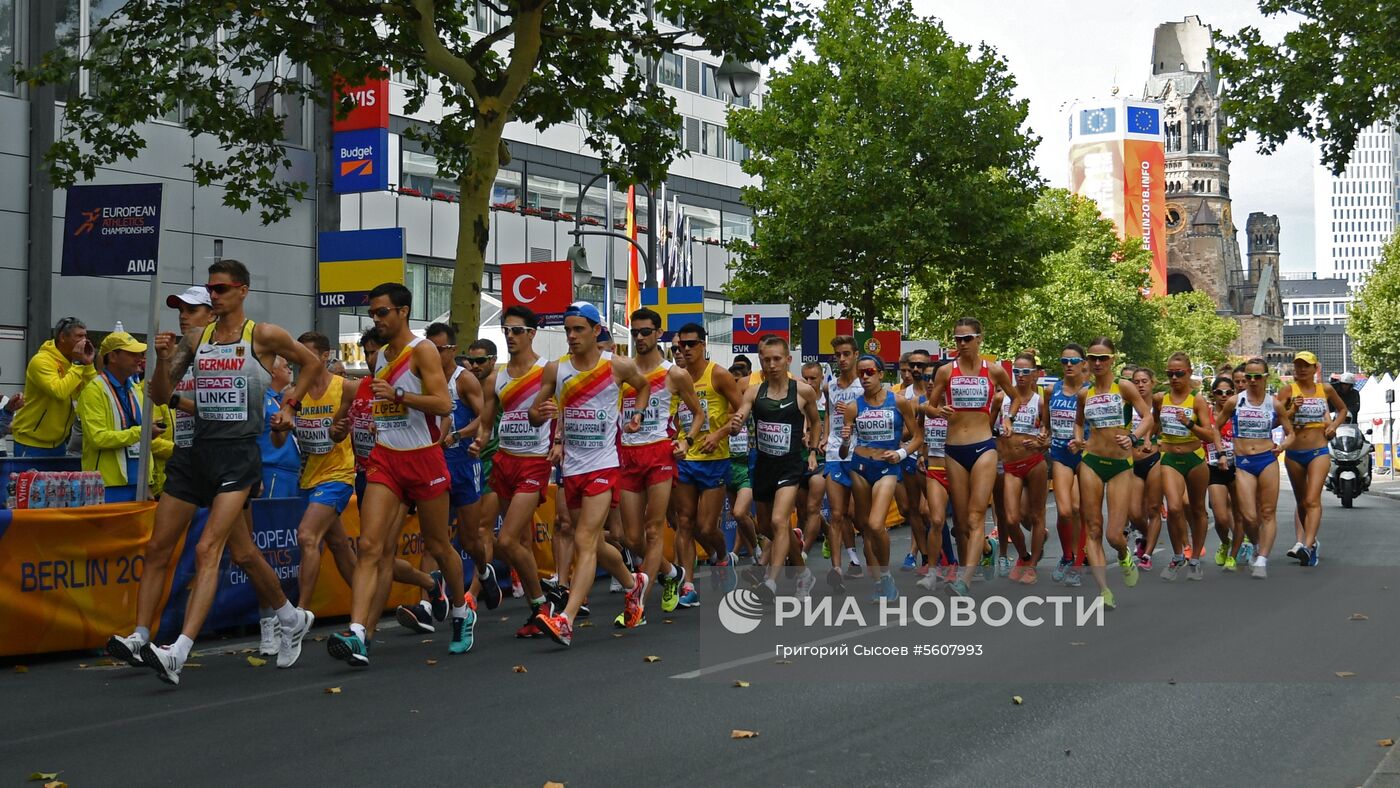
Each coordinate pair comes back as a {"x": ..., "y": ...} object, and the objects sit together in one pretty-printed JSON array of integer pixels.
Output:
[
  {"x": 817, "y": 336},
  {"x": 676, "y": 305},
  {"x": 634, "y": 278}
]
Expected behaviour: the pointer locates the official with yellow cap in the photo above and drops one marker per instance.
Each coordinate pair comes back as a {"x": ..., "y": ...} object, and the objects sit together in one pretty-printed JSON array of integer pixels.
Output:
[{"x": 109, "y": 408}]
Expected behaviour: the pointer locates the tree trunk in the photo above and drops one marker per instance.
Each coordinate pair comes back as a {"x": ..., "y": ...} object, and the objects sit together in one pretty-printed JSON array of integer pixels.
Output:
[
  {"x": 474, "y": 227},
  {"x": 867, "y": 306}
]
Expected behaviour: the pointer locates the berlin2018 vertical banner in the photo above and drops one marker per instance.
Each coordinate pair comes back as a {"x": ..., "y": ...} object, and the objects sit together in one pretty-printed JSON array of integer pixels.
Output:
[
  {"x": 112, "y": 230},
  {"x": 1145, "y": 185}
]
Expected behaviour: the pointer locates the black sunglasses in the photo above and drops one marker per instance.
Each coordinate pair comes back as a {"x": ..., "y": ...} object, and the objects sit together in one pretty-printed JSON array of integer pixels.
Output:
[
  {"x": 219, "y": 288},
  {"x": 478, "y": 360},
  {"x": 1177, "y": 373},
  {"x": 929, "y": 377},
  {"x": 383, "y": 311},
  {"x": 688, "y": 343},
  {"x": 1100, "y": 357},
  {"x": 644, "y": 331},
  {"x": 65, "y": 324}
]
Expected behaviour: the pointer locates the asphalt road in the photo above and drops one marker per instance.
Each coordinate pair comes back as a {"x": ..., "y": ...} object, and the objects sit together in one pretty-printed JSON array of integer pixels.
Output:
[{"x": 1207, "y": 690}]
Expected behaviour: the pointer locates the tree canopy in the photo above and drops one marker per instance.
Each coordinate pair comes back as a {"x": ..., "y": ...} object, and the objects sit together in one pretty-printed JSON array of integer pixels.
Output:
[
  {"x": 891, "y": 154},
  {"x": 1374, "y": 319},
  {"x": 224, "y": 68},
  {"x": 1327, "y": 80}
]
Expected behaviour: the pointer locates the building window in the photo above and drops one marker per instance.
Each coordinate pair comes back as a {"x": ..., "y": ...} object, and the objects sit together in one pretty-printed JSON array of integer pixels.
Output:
[
  {"x": 1300, "y": 309},
  {"x": 439, "y": 295},
  {"x": 9, "y": 36},
  {"x": 737, "y": 227},
  {"x": 420, "y": 172},
  {"x": 712, "y": 140},
  {"x": 671, "y": 70},
  {"x": 1339, "y": 308},
  {"x": 505, "y": 193},
  {"x": 1323, "y": 308},
  {"x": 551, "y": 194},
  {"x": 704, "y": 223}
]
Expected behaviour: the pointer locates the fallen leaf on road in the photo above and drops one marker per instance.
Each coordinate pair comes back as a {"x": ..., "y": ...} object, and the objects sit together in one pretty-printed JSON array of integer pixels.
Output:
[
  {"x": 82, "y": 665},
  {"x": 36, "y": 776},
  {"x": 584, "y": 623},
  {"x": 741, "y": 684},
  {"x": 738, "y": 734},
  {"x": 1386, "y": 742},
  {"x": 1171, "y": 681},
  {"x": 319, "y": 638},
  {"x": 431, "y": 661},
  {"x": 197, "y": 664},
  {"x": 668, "y": 621},
  {"x": 1017, "y": 699},
  {"x": 248, "y": 651},
  {"x": 429, "y": 640},
  {"x": 1358, "y": 617},
  {"x": 21, "y": 669},
  {"x": 256, "y": 662},
  {"x": 553, "y": 784},
  {"x": 520, "y": 669},
  {"x": 56, "y": 784},
  {"x": 332, "y": 690},
  {"x": 617, "y": 634},
  {"x": 783, "y": 662},
  {"x": 1345, "y": 674},
  {"x": 1067, "y": 753},
  {"x": 503, "y": 619},
  {"x": 1076, "y": 642},
  {"x": 651, "y": 658}
]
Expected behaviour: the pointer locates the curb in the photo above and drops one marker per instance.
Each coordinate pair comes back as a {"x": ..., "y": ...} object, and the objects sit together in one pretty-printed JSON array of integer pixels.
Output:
[
  {"x": 1386, "y": 492},
  {"x": 1387, "y": 773}
]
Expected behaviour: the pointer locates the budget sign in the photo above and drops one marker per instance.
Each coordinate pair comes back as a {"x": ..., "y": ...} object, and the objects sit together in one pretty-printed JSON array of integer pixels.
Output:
[
  {"x": 360, "y": 161},
  {"x": 112, "y": 230}
]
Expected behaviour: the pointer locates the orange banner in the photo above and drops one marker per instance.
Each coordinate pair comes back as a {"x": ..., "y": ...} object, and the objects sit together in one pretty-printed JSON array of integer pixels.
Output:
[{"x": 1144, "y": 187}]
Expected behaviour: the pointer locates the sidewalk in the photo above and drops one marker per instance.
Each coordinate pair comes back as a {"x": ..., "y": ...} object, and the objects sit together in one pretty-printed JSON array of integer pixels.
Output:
[{"x": 1386, "y": 487}]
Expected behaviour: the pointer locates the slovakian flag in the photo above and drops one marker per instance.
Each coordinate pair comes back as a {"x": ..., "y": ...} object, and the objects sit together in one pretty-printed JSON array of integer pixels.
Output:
[
  {"x": 547, "y": 289},
  {"x": 817, "y": 336},
  {"x": 753, "y": 322}
]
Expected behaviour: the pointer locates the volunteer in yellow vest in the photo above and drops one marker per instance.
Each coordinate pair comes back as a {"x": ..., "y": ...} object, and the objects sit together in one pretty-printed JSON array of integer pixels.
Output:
[
  {"x": 327, "y": 476},
  {"x": 110, "y": 409},
  {"x": 161, "y": 448},
  {"x": 704, "y": 472},
  {"x": 52, "y": 381}
]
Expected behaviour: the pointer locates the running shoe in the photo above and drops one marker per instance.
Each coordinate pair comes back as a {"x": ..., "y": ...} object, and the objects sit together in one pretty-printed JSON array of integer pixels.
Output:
[
  {"x": 729, "y": 576},
  {"x": 800, "y": 540},
  {"x": 1246, "y": 554},
  {"x": 671, "y": 590},
  {"x": 529, "y": 630},
  {"x": 957, "y": 588},
  {"x": 1230, "y": 564},
  {"x": 437, "y": 595},
  {"x": 414, "y": 618},
  {"x": 517, "y": 589},
  {"x": 347, "y": 647},
  {"x": 1260, "y": 570},
  {"x": 271, "y": 636},
  {"x": 888, "y": 587},
  {"x": 1222, "y": 553},
  {"x": 826, "y": 549},
  {"x": 1186, "y": 551},
  {"x": 490, "y": 587},
  {"x": 908, "y": 565},
  {"x": 835, "y": 581},
  {"x": 463, "y": 633},
  {"x": 1140, "y": 545},
  {"x": 688, "y": 597},
  {"x": 1130, "y": 570},
  {"x": 1017, "y": 570},
  {"x": 1061, "y": 569},
  {"x": 1073, "y": 579},
  {"x": 766, "y": 596},
  {"x": 634, "y": 606},
  {"x": 127, "y": 649},
  {"x": 1145, "y": 563},
  {"x": 1171, "y": 570},
  {"x": 615, "y": 587},
  {"x": 1298, "y": 552},
  {"x": 557, "y": 595},
  {"x": 754, "y": 575},
  {"x": 1109, "y": 602},
  {"x": 1003, "y": 566},
  {"x": 290, "y": 650},
  {"x": 1195, "y": 571},
  {"x": 856, "y": 570},
  {"x": 922, "y": 570},
  {"x": 805, "y": 583},
  {"x": 1029, "y": 576},
  {"x": 556, "y": 626},
  {"x": 162, "y": 660},
  {"x": 1310, "y": 556},
  {"x": 928, "y": 582},
  {"x": 583, "y": 610}
]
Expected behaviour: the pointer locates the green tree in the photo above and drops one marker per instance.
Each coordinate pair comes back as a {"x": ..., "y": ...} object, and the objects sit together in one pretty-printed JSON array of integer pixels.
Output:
[
  {"x": 214, "y": 63},
  {"x": 1374, "y": 322},
  {"x": 1334, "y": 75},
  {"x": 1094, "y": 287},
  {"x": 892, "y": 154},
  {"x": 1187, "y": 323}
]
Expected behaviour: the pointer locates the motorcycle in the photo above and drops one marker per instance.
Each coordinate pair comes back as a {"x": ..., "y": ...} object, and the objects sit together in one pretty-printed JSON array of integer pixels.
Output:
[{"x": 1351, "y": 464}]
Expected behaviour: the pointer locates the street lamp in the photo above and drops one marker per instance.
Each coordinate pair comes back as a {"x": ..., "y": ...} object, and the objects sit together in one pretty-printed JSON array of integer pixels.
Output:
[
  {"x": 578, "y": 257},
  {"x": 741, "y": 76}
]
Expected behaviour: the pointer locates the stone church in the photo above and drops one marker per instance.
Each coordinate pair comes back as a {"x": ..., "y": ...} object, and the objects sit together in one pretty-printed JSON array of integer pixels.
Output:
[{"x": 1203, "y": 252}]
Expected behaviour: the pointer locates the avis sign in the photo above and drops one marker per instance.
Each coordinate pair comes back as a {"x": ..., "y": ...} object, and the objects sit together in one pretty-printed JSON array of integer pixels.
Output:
[
  {"x": 360, "y": 161},
  {"x": 112, "y": 230},
  {"x": 366, "y": 105}
]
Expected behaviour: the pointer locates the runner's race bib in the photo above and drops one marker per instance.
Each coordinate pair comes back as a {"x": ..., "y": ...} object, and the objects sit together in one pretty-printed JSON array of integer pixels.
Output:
[
  {"x": 774, "y": 438},
  {"x": 585, "y": 428}
]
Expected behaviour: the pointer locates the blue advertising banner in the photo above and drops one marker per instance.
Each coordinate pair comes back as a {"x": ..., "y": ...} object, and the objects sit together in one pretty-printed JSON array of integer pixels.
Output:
[
  {"x": 360, "y": 161},
  {"x": 112, "y": 230}
]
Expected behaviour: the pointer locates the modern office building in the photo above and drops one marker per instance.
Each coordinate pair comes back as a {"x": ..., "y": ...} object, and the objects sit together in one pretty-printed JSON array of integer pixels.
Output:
[
  {"x": 533, "y": 203},
  {"x": 1354, "y": 213},
  {"x": 1315, "y": 301}
]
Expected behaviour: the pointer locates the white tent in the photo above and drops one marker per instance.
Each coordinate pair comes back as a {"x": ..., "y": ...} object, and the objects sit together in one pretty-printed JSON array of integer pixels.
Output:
[{"x": 1375, "y": 413}]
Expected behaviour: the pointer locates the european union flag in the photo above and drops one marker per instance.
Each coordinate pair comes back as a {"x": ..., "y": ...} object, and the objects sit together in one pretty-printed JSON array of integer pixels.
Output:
[
  {"x": 1144, "y": 120},
  {"x": 1097, "y": 121}
]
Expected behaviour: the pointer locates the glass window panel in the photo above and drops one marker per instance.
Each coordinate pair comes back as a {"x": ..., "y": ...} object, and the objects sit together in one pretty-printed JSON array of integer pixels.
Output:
[
  {"x": 68, "y": 36},
  {"x": 439, "y": 290},
  {"x": 671, "y": 70},
  {"x": 551, "y": 194},
  {"x": 737, "y": 226},
  {"x": 506, "y": 191},
  {"x": 7, "y": 45},
  {"x": 704, "y": 222},
  {"x": 415, "y": 278}
]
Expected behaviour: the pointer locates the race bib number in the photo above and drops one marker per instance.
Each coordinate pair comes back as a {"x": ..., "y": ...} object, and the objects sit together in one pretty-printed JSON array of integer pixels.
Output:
[
  {"x": 221, "y": 397},
  {"x": 1062, "y": 424},
  {"x": 1102, "y": 411},
  {"x": 1025, "y": 421},
  {"x": 686, "y": 418},
  {"x": 774, "y": 438},
  {"x": 585, "y": 428},
  {"x": 1171, "y": 421},
  {"x": 875, "y": 426},
  {"x": 184, "y": 422},
  {"x": 935, "y": 433},
  {"x": 1252, "y": 423},
  {"x": 969, "y": 392},
  {"x": 739, "y": 442},
  {"x": 1311, "y": 410},
  {"x": 517, "y": 433},
  {"x": 390, "y": 415},
  {"x": 314, "y": 434}
]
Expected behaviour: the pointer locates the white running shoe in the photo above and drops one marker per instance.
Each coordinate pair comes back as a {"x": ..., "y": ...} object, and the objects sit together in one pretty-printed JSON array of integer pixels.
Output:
[
  {"x": 291, "y": 639},
  {"x": 615, "y": 587},
  {"x": 162, "y": 660},
  {"x": 127, "y": 649},
  {"x": 1196, "y": 571},
  {"x": 1260, "y": 570},
  {"x": 270, "y": 645},
  {"x": 805, "y": 583},
  {"x": 928, "y": 582}
]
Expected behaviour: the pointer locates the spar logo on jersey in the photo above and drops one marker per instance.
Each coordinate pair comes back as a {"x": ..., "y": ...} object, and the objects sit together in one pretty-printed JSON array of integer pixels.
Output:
[{"x": 740, "y": 611}]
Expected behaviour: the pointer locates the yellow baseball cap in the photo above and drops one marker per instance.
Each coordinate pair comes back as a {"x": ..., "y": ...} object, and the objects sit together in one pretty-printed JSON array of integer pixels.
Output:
[
  {"x": 120, "y": 340},
  {"x": 1306, "y": 355}
]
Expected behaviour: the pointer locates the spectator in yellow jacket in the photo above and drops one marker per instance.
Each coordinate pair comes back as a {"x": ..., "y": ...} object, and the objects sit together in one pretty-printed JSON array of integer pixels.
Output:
[
  {"x": 110, "y": 409},
  {"x": 52, "y": 381},
  {"x": 161, "y": 448}
]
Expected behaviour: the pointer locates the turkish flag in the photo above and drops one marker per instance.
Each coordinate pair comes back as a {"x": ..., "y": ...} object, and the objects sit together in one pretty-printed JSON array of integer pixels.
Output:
[{"x": 545, "y": 288}]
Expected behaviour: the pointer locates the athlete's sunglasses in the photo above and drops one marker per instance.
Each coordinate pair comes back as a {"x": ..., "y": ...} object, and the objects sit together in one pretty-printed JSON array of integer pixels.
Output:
[
  {"x": 1067, "y": 360},
  {"x": 383, "y": 311},
  {"x": 446, "y": 347},
  {"x": 477, "y": 360},
  {"x": 688, "y": 343},
  {"x": 928, "y": 378},
  {"x": 1222, "y": 392},
  {"x": 1177, "y": 373},
  {"x": 645, "y": 331},
  {"x": 1100, "y": 356},
  {"x": 516, "y": 331},
  {"x": 918, "y": 365},
  {"x": 219, "y": 288},
  {"x": 869, "y": 373},
  {"x": 1255, "y": 375},
  {"x": 965, "y": 337},
  {"x": 1019, "y": 372}
]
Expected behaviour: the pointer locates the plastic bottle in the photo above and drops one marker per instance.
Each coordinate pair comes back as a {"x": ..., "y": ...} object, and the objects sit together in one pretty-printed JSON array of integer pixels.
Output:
[
  {"x": 37, "y": 492},
  {"x": 119, "y": 328},
  {"x": 10, "y": 501},
  {"x": 90, "y": 489}
]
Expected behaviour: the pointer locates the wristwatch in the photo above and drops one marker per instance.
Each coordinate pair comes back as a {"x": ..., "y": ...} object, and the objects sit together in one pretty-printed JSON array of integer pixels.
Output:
[{"x": 398, "y": 394}]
